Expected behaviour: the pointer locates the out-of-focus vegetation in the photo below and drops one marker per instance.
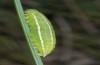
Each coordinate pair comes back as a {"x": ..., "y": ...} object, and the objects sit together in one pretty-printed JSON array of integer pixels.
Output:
[{"x": 77, "y": 27}]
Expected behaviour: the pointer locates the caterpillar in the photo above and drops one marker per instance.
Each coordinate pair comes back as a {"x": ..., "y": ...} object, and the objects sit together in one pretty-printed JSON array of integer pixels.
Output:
[{"x": 41, "y": 33}]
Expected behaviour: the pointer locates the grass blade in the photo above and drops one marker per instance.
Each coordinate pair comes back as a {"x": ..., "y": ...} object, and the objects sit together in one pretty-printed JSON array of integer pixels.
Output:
[{"x": 26, "y": 30}]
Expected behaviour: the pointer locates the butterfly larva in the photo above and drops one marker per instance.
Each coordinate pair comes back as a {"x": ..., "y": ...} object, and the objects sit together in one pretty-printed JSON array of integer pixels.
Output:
[{"x": 41, "y": 32}]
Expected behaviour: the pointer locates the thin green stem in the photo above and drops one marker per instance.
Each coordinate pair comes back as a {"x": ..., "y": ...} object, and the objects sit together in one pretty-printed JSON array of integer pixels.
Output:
[{"x": 20, "y": 12}]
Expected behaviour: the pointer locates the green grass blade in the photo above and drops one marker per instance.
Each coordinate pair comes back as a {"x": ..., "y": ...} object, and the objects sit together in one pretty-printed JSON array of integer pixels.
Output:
[{"x": 26, "y": 30}]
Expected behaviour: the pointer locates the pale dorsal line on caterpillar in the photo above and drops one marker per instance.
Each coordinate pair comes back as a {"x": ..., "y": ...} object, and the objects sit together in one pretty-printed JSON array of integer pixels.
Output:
[
  {"x": 50, "y": 32},
  {"x": 41, "y": 32}
]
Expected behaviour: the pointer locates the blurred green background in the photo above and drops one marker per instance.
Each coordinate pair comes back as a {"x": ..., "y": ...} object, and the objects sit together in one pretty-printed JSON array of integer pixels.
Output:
[{"x": 77, "y": 28}]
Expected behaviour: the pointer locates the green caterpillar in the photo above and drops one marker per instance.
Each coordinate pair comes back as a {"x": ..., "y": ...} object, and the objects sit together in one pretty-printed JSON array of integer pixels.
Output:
[{"x": 41, "y": 32}]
